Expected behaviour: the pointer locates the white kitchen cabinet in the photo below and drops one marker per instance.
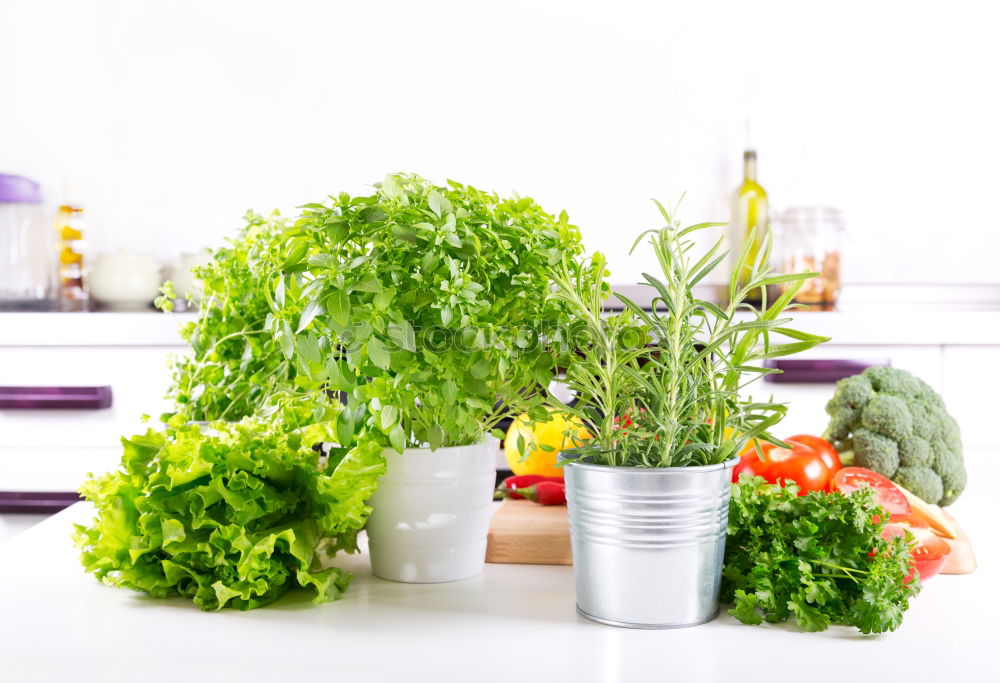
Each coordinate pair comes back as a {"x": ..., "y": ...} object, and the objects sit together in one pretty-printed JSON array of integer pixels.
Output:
[
  {"x": 971, "y": 385},
  {"x": 807, "y": 402},
  {"x": 958, "y": 353},
  {"x": 53, "y": 450},
  {"x": 138, "y": 378}
]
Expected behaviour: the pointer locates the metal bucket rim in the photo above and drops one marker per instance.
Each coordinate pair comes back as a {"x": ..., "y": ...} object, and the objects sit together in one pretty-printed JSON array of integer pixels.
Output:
[{"x": 583, "y": 464}]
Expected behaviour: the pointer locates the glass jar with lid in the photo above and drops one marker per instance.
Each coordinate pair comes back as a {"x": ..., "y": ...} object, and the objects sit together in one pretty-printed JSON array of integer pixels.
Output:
[
  {"x": 27, "y": 269},
  {"x": 810, "y": 239}
]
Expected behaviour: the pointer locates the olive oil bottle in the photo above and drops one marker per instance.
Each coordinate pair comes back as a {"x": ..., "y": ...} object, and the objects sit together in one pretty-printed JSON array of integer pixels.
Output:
[{"x": 749, "y": 214}]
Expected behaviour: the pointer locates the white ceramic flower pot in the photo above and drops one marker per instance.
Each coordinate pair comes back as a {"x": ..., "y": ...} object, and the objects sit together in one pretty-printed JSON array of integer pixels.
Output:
[{"x": 431, "y": 513}]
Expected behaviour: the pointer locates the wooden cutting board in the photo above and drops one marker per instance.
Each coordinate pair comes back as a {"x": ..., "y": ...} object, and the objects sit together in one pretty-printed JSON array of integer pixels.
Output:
[{"x": 522, "y": 532}]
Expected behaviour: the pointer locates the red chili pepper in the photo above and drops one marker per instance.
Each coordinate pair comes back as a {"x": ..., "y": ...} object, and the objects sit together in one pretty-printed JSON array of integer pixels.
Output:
[
  {"x": 545, "y": 493},
  {"x": 509, "y": 486}
]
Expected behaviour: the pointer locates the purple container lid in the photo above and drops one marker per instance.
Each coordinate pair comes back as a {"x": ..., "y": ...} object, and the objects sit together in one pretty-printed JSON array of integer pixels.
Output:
[{"x": 15, "y": 189}]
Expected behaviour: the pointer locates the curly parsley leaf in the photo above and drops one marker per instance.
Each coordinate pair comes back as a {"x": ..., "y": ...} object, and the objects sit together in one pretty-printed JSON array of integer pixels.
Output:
[
  {"x": 819, "y": 558},
  {"x": 746, "y": 607}
]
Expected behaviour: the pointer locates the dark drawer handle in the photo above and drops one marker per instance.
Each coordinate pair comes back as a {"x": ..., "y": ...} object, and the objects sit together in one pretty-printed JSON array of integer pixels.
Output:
[
  {"x": 824, "y": 371},
  {"x": 52, "y": 398},
  {"x": 36, "y": 502}
]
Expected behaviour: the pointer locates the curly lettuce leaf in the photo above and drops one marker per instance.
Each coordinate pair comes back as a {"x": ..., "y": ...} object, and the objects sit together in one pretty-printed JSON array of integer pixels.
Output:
[{"x": 229, "y": 515}]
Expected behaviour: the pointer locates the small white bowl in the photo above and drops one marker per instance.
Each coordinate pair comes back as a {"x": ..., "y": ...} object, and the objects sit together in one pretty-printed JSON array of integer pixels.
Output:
[{"x": 125, "y": 281}]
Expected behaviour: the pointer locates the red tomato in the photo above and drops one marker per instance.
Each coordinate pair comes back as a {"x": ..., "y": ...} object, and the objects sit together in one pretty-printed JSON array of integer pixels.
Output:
[
  {"x": 931, "y": 552},
  {"x": 800, "y": 463},
  {"x": 889, "y": 496},
  {"x": 826, "y": 450}
]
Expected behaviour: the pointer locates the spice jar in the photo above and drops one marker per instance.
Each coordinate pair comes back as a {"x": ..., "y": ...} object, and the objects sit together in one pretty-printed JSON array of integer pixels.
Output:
[{"x": 810, "y": 241}]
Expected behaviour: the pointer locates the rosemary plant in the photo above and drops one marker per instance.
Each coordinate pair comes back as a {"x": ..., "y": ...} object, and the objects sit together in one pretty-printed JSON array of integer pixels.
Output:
[{"x": 663, "y": 388}]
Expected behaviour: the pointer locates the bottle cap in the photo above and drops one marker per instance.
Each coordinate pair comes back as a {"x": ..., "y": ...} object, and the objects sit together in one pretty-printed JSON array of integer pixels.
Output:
[{"x": 15, "y": 189}]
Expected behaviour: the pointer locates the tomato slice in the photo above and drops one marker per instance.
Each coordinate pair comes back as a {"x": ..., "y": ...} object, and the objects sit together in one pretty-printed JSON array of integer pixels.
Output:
[
  {"x": 931, "y": 551},
  {"x": 889, "y": 496},
  {"x": 825, "y": 449},
  {"x": 800, "y": 463}
]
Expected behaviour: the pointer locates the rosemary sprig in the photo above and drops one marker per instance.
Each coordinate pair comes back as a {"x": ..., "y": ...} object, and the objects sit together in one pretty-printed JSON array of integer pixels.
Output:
[{"x": 663, "y": 387}]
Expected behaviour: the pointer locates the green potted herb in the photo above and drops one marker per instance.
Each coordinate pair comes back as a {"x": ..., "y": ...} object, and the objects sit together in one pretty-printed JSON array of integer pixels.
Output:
[
  {"x": 428, "y": 307},
  {"x": 662, "y": 392},
  {"x": 235, "y": 365}
]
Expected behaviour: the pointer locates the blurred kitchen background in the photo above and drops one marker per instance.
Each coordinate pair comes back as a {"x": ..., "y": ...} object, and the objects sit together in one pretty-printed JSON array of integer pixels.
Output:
[
  {"x": 135, "y": 134},
  {"x": 172, "y": 119}
]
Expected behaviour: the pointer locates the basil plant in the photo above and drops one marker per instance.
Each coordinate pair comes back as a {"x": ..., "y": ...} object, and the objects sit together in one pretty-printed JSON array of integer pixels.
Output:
[
  {"x": 235, "y": 366},
  {"x": 429, "y": 307}
]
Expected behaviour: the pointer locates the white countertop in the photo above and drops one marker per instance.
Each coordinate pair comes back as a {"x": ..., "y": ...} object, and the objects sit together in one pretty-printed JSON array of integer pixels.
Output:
[
  {"x": 513, "y": 622},
  {"x": 147, "y": 328},
  {"x": 893, "y": 325},
  {"x": 902, "y": 327},
  {"x": 896, "y": 315}
]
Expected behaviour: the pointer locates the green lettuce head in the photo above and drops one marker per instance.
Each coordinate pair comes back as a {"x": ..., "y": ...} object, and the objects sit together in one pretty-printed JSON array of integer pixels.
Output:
[{"x": 232, "y": 514}]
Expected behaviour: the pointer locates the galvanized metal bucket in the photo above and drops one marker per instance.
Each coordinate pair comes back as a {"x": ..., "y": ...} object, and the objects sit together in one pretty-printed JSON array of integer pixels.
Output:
[{"x": 648, "y": 544}]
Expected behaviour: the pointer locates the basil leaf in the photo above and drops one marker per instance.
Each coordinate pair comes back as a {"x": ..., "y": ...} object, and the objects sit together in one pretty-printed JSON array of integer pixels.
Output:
[
  {"x": 378, "y": 353},
  {"x": 435, "y": 437},
  {"x": 338, "y": 307},
  {"x": 308, "y": 346},
  {"x": 397, "y": 438},
  {"x": 310, "y": 312},
  {"x": 403, "y": 336},
  {"x": 388, "y": 417}
]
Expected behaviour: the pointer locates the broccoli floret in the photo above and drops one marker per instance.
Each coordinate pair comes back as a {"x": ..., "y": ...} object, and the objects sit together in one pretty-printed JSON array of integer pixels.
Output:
[
  {"x": 888, "y": 415},
  {"x": 949, "y": 464},
  {"x": 922, "y": 481},
  {"x": 953, "y": 475},
  {"x": 928, "y": 395},
  {"x": 841, "y": 421},
  {"x": 915, "y": 451},
  {"x": 890, "y": 381},
  {"x": 897, "y": 425},
  {"x": 950, "y": 433},
  {"x": 876, "y": 452},
  {"x": 923, "y": 419},
  {"x": 852, "y": 393}
]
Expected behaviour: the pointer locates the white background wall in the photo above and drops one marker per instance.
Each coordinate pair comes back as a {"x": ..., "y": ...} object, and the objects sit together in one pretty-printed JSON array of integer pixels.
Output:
[{"x": 178, "y": 116}]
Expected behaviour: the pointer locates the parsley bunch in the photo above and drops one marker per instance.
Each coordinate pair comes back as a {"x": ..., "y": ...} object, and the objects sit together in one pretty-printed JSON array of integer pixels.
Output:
[{"x": 820, "y": 558}]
